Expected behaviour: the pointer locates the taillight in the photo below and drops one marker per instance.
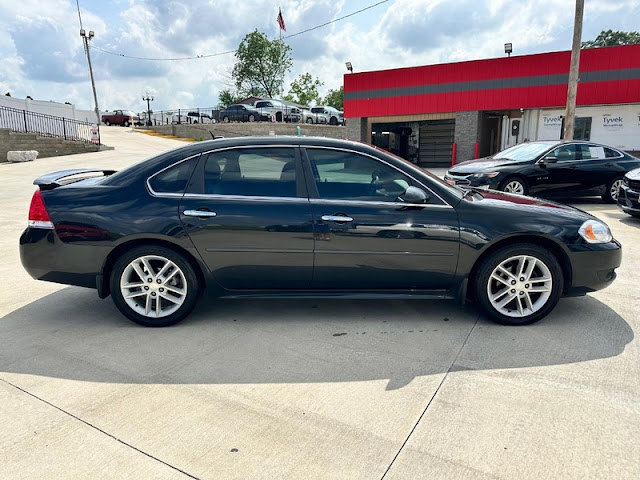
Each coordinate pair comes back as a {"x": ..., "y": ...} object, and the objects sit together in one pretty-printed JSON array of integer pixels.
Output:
[{"x": 38, "y": 216}]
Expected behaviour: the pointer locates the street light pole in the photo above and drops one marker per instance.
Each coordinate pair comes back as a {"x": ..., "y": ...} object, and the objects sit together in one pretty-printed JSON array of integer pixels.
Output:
[
  {"x": 572, "y": 87},
  {"x": 148, "y": 98},
  {"x": 85, "y": 39}
]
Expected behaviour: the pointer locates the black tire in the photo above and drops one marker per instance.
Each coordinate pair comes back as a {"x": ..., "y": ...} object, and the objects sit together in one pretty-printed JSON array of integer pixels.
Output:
[
  {"x": 609, "y": 196},
  {"x": 333, "y": 121},
  {"x": 184, "y": 279},
  {"x": 126, "y": 123},
  {"x": 509, "y": 185},
  {"x": 225, "y": 119},
  {"x": 309, "y": 120},
  {"x": 541, "y": 303},
  {"x": 251, "y": 118},
  {"x": 107, "y": 123}
]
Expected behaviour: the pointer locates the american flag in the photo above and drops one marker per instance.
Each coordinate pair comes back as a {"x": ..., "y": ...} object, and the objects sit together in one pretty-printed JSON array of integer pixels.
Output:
[{"x": 281, "y": 21}]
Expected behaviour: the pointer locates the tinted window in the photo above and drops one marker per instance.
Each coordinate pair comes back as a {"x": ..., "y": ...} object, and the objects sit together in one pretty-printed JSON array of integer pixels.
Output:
[
  {"x": 565, "y": 153},
  {"x": 350, "y": 176},
  {"x": 174, "y": 179},
  {"x": 611, "y": 153},
  {"x": 266, "y": 172}
]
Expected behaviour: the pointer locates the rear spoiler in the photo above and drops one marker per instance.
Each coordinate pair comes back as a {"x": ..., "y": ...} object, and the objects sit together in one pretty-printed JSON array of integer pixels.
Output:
[{"x": 64, "y": 177}]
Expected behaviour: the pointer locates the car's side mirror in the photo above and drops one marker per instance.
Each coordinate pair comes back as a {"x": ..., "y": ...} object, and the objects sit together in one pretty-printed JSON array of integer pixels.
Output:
[
  {"x": 550, "y": 159},
  {"x": 415, "y": 195}
]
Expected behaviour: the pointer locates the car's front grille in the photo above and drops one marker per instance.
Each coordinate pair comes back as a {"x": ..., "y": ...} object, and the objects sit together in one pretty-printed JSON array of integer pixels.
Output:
[
  {"x": 635, "y": 184},
  {"x": 457, "y": 178}
]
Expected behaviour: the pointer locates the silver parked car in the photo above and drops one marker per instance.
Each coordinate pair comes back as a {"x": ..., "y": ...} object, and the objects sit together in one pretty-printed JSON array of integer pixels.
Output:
[{"x": 334, "y": 116}]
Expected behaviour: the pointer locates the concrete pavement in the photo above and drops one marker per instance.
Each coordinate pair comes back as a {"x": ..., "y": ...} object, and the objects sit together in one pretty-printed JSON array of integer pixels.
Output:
[{"x": 314, "y": 389}]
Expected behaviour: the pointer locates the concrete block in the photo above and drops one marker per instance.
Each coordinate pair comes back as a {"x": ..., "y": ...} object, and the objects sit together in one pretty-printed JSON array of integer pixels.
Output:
[{"x": 22, "y": 156}]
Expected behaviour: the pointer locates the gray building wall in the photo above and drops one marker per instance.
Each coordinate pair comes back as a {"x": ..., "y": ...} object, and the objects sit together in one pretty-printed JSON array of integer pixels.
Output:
[
  {"x": 357, "y": 129},
  {"x": 467, "y": 133}
]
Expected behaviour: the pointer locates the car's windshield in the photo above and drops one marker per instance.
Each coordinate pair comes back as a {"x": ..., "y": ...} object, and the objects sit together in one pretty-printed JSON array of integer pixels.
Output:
[
  {"x": 317, "y": 109},
  {"x": 524, "y": 151}
]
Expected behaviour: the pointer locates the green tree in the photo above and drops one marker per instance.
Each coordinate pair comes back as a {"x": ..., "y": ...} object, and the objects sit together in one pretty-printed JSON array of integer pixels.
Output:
[
  {"x": 609, "y": 38},
  {"x": 261, "y": 65},
  {"x": 335, "y": 98},
  {"x": 304, "y": 90},
  {"x": 226, "y": 98}
]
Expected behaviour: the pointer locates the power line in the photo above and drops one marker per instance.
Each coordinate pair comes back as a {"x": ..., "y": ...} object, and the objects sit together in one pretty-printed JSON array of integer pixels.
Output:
[{"x": 209, "y": 55}]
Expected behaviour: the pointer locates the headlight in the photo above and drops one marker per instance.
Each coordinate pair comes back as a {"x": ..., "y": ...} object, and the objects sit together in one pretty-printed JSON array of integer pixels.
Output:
[
  {"x": 485, "y": 175},
  {"x": 595, "y": 232}
]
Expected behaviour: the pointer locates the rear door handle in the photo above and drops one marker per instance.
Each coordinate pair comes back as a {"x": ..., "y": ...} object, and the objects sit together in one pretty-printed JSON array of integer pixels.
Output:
[
  {"x": 337, "y": 218},
  {"x": 199, "y": 213}
]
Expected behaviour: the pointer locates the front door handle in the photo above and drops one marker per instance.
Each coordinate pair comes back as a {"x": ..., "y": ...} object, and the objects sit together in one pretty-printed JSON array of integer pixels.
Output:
[
  {"x": 337, "y": 218},
  {"x": 199, "y": 213}
]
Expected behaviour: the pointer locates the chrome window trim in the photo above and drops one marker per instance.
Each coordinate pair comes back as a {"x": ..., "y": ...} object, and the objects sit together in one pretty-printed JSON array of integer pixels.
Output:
[
  {"x": 386, "y": 163},
  {"x": 217, "y": 196},
  {"x": 327, "y": 201},
  {"x": 173, "y": 195}
]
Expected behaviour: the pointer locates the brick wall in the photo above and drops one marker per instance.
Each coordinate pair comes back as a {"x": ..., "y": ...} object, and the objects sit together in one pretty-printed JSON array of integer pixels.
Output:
[
  {"x": 201, "y": 131},
  {"x": 46, "y": 146},
  {"x": 467, "y": 134}
]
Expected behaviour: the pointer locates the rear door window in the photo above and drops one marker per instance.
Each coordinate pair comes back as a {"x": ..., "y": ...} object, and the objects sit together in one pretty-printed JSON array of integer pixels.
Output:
[{"x": 263, "y": 172}]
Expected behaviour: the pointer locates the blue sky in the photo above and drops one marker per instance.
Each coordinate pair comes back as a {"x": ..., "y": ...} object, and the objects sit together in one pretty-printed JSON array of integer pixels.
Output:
[{"x": 42, "y": 53}]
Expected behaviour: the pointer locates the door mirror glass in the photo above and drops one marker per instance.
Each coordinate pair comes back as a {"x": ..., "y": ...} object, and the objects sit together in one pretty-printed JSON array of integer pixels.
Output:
[
  {"x": 415, "y": 195},
  {"x": 549, "y": 159}
]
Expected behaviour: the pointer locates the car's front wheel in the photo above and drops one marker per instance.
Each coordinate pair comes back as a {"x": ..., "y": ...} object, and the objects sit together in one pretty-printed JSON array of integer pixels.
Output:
[
  {"x": 252, "y": 118},
  {"x": 225, "y": 119},
  {"x": 515, "y": 185},
  {"x": 126, "y": 123},
  {"x": 518, "y": 284},
  {"x": 611, "y": 193},
  {"x": 154, "y": 286},
  {"x": 107, "y": 123}
]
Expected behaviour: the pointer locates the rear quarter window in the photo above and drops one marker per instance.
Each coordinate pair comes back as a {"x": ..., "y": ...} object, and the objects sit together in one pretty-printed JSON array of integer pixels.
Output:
[{"x": 174, "y": 179}]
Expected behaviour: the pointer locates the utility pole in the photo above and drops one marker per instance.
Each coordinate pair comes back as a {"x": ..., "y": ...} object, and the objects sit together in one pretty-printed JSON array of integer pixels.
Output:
[
  {"x": 572, "y": 88},
  {"x": 148, "y": 98}
]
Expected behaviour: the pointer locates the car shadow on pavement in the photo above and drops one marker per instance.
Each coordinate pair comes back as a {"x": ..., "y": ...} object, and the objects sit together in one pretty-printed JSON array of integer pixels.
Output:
[{"x": 71, "y": 334}]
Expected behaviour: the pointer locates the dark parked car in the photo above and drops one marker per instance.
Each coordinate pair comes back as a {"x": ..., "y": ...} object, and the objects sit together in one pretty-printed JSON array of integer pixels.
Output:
[
  {"x": 561, "y": 168},
  {"x": 306, "y": 217},
  {"x": 628, "y": 197},
  {"x": 242, "y": 113}
]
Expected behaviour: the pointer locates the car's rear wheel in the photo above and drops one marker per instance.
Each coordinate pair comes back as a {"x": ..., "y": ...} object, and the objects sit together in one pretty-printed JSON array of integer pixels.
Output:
[
  {"x": 518, "y": 284},
  {"x": 225, "y": 119},
  {"x": 309, "y": 120},
  {"x": 611, "y": 193},
  {"x": 333, "y": 121},
  {"x": 515, "y": 185},
  {"x": 154, "y": 286}
]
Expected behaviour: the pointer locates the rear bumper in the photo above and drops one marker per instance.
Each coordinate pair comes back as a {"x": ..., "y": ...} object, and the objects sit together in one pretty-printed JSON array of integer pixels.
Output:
[
  {"x": 45, "y": 257},
  {"x": 594, "y": 267}
]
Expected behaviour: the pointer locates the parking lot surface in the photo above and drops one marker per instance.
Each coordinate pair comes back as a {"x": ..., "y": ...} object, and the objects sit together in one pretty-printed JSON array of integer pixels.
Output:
[{"x": 254, "y": 389}]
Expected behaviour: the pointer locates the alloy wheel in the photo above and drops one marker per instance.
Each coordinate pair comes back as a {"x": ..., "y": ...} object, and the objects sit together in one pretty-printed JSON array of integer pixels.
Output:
[
  {"x": 519, "y": 286},
  {"x": 615, "y": 187},
  {"x": 514, "y": 186},
  {"x": 153, "y": 286}
]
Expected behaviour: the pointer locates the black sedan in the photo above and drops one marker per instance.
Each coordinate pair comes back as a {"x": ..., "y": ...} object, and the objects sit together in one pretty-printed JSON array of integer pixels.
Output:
[
  {"x": 242, "y": 113},
  {"x": 549, "y": 168},
  {"x": 305, "y": 217},
  {"x": 629, "y": 195}
]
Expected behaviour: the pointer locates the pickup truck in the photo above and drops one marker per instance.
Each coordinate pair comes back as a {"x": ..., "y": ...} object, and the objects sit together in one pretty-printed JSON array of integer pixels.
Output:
[
  {"x": 278, "y": 111},
  {"x": 121, "y": 117}
]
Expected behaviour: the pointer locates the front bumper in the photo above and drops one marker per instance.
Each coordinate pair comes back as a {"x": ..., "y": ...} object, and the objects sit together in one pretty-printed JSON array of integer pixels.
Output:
[
  {"x": 467, "y": 180},
  {"x": 629, "y": 199},
  {"x": 593, "y": 266}
]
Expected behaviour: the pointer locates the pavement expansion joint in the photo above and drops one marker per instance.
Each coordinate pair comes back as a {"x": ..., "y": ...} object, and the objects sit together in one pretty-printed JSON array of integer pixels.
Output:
[
  {"x": 449, "y": 370},
  {"x": 75, "y": 417}
]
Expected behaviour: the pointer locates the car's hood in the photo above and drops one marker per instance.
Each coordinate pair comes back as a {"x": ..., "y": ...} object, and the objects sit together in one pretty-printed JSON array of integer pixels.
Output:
[
  {"x": 473, "y": 166},
  {"x": 544, "y": 208}
]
